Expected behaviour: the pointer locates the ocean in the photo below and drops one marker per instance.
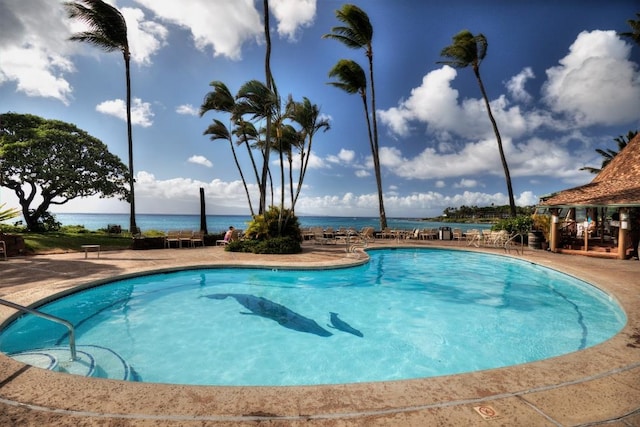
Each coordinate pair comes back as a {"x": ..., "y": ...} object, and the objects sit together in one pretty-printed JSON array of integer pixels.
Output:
[{"x": 219, "y": 223}]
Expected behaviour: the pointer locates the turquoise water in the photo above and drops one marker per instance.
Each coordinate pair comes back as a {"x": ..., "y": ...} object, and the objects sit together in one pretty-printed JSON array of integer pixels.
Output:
[
  {"x": 408, "y": 313},
  {"x": 218, "y": 223}
]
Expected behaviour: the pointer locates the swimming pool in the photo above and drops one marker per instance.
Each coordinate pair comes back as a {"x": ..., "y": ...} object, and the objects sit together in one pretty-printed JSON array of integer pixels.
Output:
[{"x": 408, "y": 313}]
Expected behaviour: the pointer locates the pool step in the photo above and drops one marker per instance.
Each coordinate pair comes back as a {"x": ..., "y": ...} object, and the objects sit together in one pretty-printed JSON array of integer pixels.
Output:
[{"x": 91, "y": 361}]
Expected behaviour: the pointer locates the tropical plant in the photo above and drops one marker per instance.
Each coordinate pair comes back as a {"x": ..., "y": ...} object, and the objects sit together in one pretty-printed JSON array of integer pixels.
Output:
[
  {"x": 609, "y": 154},
  {"x": 56, "y": 162},
  {"x": 357, "y": 33},
  {"x": 634, "y": 34},
  {"x": 108, "y": 31},
  {"x": 469, "y": 50},
  {"x": 9, "y": 213}
]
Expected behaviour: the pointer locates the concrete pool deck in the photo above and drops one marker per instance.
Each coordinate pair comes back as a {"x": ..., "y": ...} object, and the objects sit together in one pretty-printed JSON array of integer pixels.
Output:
[{"x": 596, "y": 386}]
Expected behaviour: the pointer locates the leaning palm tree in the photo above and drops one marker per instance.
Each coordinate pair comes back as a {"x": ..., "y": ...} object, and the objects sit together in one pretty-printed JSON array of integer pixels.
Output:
[
  {"x": 357, "y": 33},
  {"x": 307, "y": 115},
  {"x": 108, "y": 31},
  {"x": 469, "y": 50},
  {"x": 609, "y": 154},
  {"x": 220, "y": 99}
]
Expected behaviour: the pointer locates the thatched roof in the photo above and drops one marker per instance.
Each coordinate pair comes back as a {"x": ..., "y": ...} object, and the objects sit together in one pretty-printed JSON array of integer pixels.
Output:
[{"x": 617, "y": 185}]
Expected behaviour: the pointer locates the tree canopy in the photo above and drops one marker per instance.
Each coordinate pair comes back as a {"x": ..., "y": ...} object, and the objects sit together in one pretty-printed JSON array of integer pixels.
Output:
[{"x": 52, "y": 162}]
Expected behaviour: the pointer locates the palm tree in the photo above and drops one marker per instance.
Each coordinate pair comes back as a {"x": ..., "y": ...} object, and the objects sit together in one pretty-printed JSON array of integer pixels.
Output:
[
  {"x": 469, "y": 50},
  {"x": 270, "y": 86},
  {"x": 609, "y": 154},
  {"x": 307, "y": 115},
  {"x": 220, "y": 99},
  {"x": 108, "y": 31},
  {"x": 357, "y": 33},
  {"x": 634, "y": 34}
]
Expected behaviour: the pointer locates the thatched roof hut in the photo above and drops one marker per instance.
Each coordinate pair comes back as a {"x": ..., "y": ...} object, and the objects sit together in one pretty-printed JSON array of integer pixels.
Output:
[{"x": 617, "y": 186}]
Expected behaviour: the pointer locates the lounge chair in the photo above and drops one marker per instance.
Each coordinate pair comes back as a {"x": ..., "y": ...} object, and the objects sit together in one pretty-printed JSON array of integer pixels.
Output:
[
  {"x": 319, "y": 236},
  {"x": 457, "y": 235},
  {"x": 173, "y": 236},
  {"x": 197, "y": 237}
]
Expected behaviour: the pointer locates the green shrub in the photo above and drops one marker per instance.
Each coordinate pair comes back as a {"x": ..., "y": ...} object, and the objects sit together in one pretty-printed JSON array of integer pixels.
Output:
[
  {"x": 520, "y": 224},
  {"x": 264, "y": 234}
]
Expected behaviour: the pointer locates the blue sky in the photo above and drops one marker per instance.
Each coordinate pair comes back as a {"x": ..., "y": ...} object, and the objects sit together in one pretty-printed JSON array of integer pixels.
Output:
[{"x": 560, "y": 80}]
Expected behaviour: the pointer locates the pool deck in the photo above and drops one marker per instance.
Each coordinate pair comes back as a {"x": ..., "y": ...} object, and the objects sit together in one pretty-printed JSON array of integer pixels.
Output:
[{"x": 596, "y": 386}]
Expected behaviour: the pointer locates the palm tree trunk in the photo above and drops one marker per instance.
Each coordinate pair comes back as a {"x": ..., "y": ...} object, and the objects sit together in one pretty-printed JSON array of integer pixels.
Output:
[
  {"x": 133, "y": 228},
  {"x": 375, "y": 147},
  {"x": 267, "y": 145},
  {"x": 505, "y": 166},
  {"x": 244, "y": 181}
]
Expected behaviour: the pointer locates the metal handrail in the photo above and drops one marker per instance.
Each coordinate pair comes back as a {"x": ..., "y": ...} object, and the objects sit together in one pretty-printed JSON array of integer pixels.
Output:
[{"x": 72, "y": 334}]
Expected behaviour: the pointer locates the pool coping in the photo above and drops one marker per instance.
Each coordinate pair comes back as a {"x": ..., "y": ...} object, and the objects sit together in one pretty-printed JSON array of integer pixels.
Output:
[{"x": 594, "y": 385}]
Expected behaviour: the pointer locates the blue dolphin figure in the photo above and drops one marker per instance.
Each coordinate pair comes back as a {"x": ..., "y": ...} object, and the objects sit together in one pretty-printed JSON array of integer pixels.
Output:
[
  {"x": 271, "y": 310},
  {"x": 343, "y": 326}
]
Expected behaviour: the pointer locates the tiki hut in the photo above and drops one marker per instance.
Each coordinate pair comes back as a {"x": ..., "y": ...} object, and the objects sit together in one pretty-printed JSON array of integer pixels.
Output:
[{"x": 609, "y": 204}]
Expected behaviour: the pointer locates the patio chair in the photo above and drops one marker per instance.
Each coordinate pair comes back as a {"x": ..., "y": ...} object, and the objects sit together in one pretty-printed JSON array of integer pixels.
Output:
[
  {"x": 197, "y": 237},
  {"x": 173, "y": 236},
  {"x": 3, "y": 249}
]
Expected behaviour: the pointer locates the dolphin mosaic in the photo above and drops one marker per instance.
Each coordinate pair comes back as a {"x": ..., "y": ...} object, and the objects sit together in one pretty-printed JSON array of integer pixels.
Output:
[
  {"x": 343, "y": 326},
  {"x": 271, "y": 310}
]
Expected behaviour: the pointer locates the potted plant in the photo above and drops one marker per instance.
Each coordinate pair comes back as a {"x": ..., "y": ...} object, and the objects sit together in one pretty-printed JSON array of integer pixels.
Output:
[{"x": 542, "y": 224}]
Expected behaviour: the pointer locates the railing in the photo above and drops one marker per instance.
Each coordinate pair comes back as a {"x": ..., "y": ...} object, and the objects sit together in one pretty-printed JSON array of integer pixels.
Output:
[{"x": 72, "y": 334}]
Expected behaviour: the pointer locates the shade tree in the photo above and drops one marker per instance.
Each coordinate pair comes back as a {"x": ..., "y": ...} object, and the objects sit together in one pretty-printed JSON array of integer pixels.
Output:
[{"x": 50, "y": 162}]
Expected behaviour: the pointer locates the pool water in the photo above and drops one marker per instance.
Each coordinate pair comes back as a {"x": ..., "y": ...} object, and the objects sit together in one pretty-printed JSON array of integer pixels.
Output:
[{"x": 408, "y": 313}]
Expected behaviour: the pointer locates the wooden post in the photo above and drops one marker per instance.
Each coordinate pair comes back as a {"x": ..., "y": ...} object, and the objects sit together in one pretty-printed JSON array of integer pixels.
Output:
[
  {"x": 623, "y": 233},
  {"x": 203, "y": 215},
  {"x": 553, "y": 230}
]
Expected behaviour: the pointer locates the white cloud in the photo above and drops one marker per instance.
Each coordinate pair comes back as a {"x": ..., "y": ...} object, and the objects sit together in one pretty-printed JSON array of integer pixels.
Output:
[
  {"x": 343, "y": 157},
  {"x": 595, "y": 83},
  {"x": 362, "y": 173},
  {"x": 141, "y": 113},
  {"x": 292, "y": 15},
  {"x": 187, "y": 109},
  {"x": 516, "y": 84},
  {"x": 435, "y": 104},
  {"x": 34, "y": 48},
  {"x": 145, "y": 37},
  {"x": 220, "y": 24},
  {"x": 466, "y": 183},
  {"x": 200, "y": 160}
]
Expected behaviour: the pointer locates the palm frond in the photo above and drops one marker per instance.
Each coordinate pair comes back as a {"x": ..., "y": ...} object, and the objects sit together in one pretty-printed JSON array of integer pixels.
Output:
[
  {"x": 107, "y": 26},
  {"x": 357, "y": 32},
  {"x": 350, "y": 75}
]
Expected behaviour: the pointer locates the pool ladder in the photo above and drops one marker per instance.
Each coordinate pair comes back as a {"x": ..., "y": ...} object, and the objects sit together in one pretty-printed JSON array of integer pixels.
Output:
[{"x": 72, "y": 334}]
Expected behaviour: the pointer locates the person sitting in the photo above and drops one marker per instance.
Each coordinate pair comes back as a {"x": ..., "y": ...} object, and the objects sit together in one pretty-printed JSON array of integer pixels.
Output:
[{"x": 228, "y": 236}]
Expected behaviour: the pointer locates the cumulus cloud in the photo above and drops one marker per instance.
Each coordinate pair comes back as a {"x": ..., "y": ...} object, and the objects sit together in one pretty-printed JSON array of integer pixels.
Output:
[
  {"x": 596, "y": 83},
  {"x": 516, "y": 85},
  {"x": 435, "y": 104},
  {"x": 200, "y": 160},
  {"x": 34, "y": 48},
  {"x": 292, "y": 15},
  {"x": 141, "y": 113},
  {"x": 343, "y": 156},
  {"x": 187, "y": 109},
  {"x": 145, "y": 37},
  {"x": 221, "y": 25},
  {"x": 36, "y": 52},
  {"x": 466, "y": 183}
]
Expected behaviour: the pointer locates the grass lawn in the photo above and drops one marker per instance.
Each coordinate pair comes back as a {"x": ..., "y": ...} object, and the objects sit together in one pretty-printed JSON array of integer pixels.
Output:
[{"x": 60, "y": 242}]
